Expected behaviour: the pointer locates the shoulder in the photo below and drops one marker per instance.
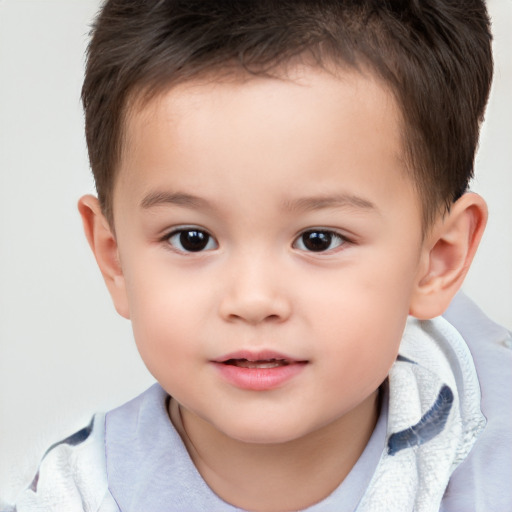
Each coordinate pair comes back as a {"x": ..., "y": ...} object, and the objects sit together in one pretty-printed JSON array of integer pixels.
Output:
[
  {"x": 71, "y": 475},
  {"x": 482, "y": 481}
]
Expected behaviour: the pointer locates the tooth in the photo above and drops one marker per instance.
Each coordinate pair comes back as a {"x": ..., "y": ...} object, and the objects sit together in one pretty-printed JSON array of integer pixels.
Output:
[{"x": 264, "y": 364}]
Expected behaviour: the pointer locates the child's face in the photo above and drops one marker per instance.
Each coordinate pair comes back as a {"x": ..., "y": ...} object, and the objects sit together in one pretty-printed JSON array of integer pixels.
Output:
[{"x": 268, "y": 219}]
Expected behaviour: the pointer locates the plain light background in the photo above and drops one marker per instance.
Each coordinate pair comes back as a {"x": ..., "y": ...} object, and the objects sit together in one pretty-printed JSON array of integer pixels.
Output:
[{"x": 64, "y": 353}]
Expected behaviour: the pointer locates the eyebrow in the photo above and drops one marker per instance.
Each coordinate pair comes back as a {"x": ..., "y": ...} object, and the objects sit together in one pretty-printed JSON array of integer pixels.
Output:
[
  {"x": 160, "y": 198},
  {"x": 334, "y": 201}
]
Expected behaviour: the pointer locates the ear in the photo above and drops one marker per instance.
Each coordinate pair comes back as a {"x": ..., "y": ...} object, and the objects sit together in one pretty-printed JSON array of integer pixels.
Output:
[
  {"x": 104, "y": 246},
  {"x": 447, "y": 253}
]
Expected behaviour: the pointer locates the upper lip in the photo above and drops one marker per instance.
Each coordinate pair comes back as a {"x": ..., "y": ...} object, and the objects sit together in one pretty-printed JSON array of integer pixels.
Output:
[{"x": 260, "y": 355}]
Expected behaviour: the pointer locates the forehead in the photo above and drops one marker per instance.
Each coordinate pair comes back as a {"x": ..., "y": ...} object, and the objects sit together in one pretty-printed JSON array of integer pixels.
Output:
[
  {"x": 308, "y": 119},
  {"x": 294, "y": 88}
]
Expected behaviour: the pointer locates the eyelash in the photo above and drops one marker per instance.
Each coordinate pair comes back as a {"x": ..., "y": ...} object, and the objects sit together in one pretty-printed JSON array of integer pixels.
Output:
[
  {"x": 179, "y": 232},
  {"x": 322, "y": 235},
  {"x": 319, "y": 240}
]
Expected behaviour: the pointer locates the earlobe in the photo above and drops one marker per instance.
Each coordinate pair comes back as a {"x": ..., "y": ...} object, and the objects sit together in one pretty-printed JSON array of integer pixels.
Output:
[
  {"x": 448, "y": 251},
  {"x": 104, "y": 246}
]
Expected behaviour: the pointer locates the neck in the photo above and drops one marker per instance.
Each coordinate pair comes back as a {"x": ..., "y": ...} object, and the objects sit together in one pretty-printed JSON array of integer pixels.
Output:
[{"x": 276, "y": 477}]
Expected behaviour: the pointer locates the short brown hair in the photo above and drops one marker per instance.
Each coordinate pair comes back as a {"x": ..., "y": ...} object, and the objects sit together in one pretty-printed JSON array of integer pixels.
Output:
[{"x": 434, "y": 55}]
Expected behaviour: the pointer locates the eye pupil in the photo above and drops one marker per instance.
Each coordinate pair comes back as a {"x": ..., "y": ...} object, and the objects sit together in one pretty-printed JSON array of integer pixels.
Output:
[
  {"x": 317, "y": 240},
  {"x": 193, "y": 240}
]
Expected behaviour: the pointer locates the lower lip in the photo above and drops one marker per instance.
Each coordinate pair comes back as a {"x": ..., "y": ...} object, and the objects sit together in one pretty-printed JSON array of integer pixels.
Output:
[{"x": 259, "y": 379}]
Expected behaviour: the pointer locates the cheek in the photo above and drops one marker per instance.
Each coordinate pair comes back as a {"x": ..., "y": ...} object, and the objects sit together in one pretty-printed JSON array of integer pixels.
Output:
[
  {"x": 360, "y": 314},
  {"x": 166, "y": 316},
  {"x": 161, "y": 295},
  {"x": 362, "y": 350},
  {"x": 361, "y": 294}
]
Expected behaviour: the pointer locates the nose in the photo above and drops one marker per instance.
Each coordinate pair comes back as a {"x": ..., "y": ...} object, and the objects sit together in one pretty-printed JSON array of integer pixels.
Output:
[{"x": 252, "y": 293}]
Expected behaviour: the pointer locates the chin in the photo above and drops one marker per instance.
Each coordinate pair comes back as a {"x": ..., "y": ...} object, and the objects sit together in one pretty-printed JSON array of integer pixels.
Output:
[{"x": 263, "y": 432}]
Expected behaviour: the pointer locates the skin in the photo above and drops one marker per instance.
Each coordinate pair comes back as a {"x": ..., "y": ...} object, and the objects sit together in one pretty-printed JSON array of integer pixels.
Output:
[{"x": 253, "y": 164}]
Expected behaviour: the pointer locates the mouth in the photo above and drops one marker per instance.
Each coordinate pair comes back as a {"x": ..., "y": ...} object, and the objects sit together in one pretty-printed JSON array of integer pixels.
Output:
[
  {"x": 261, "y": 359},
  {"x": 260, "y": 371},
  {"x": 262, "y": 364}
]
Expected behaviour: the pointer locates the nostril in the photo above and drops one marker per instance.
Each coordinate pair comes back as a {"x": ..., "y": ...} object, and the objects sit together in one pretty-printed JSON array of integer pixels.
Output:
[
  {"x": 254, "y": 305},
  {"x": 251, "y": 318}
]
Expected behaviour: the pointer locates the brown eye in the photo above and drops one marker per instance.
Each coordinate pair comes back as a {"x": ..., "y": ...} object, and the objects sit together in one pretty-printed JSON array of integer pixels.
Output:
[
  {"x": 192, "y": 240},
  {"x": 316, "y": 240}
]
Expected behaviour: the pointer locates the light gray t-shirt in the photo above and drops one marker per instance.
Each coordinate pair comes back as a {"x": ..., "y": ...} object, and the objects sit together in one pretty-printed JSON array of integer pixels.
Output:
[{"x": 157, "y": 474}]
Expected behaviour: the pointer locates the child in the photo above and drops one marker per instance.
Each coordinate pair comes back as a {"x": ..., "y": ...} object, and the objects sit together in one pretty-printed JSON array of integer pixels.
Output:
[{"x": 281, "y": 184}]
